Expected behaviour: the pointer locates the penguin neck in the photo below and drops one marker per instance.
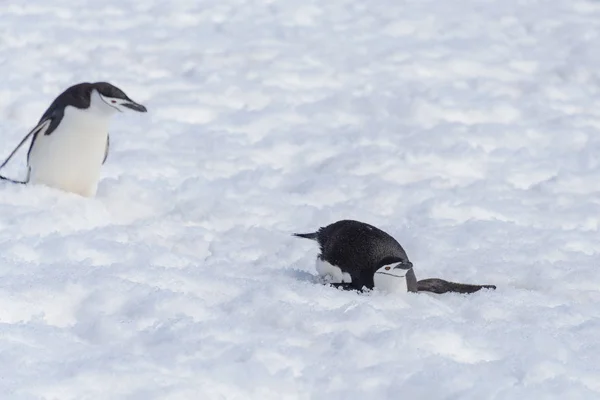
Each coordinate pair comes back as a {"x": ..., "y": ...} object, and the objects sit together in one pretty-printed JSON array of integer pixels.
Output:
[
  {"x": 95, "y": 118},
  {"x": 392, "y": 280},
  {"x": 99, "y": 109},
  {"x": 86, "y": 120}
]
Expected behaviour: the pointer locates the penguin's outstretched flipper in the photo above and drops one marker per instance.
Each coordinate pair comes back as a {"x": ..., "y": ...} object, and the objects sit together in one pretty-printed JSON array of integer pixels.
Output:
[
  {"x": 440, "y": 286},
  {"x": 3, "y": 178}
]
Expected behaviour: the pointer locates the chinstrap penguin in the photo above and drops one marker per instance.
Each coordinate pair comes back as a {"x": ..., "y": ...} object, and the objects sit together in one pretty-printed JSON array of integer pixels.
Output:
[
  {"x": 355, "y": 255},
  {"x": 70, "y": 142}
]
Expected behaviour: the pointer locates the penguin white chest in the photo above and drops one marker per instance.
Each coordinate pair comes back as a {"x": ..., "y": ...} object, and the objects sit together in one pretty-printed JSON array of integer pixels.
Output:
[
  {"x": 70, "y": 157},
  {"x": 390, "y": 280}
]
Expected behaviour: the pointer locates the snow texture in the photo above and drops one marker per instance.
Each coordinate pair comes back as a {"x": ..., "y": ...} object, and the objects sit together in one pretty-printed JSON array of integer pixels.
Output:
[{"x": 467, "y": 129}]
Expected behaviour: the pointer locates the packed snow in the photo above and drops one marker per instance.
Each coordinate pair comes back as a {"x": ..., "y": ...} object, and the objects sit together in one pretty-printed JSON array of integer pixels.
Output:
[{"x": 467, "y": 129}]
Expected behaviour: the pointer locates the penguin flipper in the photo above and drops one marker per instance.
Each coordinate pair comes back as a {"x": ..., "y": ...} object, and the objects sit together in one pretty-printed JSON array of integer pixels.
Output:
[
  {"x": 46, "y": 126},
  {"x": 4, "y": 178},
  {"x": 106, "y": 149},
  {"x": 42, "y": 127},
  {"x": 440, "y": 286}
]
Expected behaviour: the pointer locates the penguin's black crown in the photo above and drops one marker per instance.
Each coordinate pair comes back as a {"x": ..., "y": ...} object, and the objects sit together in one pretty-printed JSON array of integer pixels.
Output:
[{"x": 108, "y": 90}]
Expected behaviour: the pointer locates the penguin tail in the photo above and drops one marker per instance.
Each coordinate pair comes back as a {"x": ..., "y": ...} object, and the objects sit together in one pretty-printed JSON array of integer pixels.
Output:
[
  {"x": 311, "y": 236},
  {"x": 440, "y": 286}
]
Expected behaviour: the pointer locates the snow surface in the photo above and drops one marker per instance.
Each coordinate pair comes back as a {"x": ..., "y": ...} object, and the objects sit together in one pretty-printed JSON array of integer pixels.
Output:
[{"x": 467, "y": 129}]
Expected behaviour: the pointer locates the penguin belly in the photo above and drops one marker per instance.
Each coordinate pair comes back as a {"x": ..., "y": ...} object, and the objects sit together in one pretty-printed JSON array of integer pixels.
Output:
[
  {"x": 332, "y": 272},
  {"x": 70, "y": 158}
]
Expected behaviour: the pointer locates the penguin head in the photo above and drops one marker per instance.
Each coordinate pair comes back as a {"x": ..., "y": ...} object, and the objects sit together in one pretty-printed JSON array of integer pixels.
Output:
[
  {"x": 110, "y": 98},
  {"x": 392, "y": 276}
]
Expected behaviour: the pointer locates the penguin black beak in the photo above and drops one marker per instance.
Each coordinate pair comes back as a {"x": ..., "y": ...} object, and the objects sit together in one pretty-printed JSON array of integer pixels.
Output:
[
  {"x": 135, "y": 106},
  {"x": 404, "y": 265}
]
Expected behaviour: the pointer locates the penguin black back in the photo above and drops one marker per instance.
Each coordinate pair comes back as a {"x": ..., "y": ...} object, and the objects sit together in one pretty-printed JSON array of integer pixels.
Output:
[
  {"x": 78, "y": 96},
  {"x": 357, "y": 248}
]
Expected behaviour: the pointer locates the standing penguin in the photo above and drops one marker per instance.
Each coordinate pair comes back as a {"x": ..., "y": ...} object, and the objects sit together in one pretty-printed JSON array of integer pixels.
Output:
[
  {"x": 356, "y": 255},
  {"x": 70, "y": 142}
]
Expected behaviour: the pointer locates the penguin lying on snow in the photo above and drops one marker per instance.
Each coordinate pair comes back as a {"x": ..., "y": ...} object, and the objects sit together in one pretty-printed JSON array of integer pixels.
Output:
[
  {"x": 357, "y": 255},
  {"x": 70, "y": 142}
]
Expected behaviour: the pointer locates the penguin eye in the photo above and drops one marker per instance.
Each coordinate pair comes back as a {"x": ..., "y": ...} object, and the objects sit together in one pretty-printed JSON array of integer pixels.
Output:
[{"x": 387, "y": 268}]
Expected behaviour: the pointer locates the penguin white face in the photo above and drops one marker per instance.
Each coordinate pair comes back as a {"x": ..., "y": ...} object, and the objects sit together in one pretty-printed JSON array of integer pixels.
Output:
[
  {"x": 115, "y": 104},
  {"x": 392, "y": 278},
  {"x": 112, "y": 99},
  {"x": 121, "y": 104}
]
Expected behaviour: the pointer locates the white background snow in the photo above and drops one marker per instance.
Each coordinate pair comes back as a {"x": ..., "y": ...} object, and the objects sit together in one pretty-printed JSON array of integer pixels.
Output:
[{"x": 467, "y": 129}]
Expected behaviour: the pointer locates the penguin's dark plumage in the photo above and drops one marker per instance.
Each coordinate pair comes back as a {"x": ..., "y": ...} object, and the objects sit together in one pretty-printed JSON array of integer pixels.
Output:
[{"x": 358, "y": 249}]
